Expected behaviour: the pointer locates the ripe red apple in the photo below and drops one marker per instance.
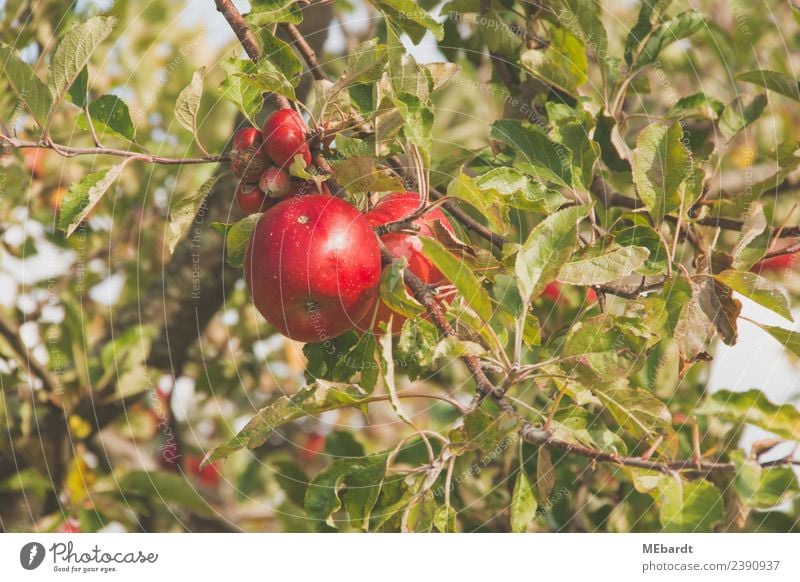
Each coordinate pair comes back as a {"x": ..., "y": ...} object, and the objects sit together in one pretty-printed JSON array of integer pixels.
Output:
[
  {"x": 248, "y": 159},
  {"x": 251, "y": 199},
  {"x": 313, "y": 267},
  {"x": 275, "y": 183},
  {"x": 392, "y": 208},
  {"x": 209, "y": 475},
  {"x": 775, "y": 264},
  {"x": 284, "y": 138},
  {"x": 553, "y": 292},
  {"x": 309, "y": 450}
]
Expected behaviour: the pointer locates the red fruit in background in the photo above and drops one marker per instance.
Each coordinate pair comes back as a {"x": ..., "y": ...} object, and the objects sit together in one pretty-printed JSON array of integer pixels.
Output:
[
  {"x": 311, "y": 448},
  {"x": 284, "y": 138},
  {"x": 71, "y": 525},
  {"x": 248, "y": 159},
  {"x": 251, "y": 199},
  {"x": 275, "y": 183},
  {"x": 313, "y": 267},
  {"x": 208, "y": 475},
  {"x": 34, "y": 160},
  {"x": 775, "y": 264},
  {"x": 392, "y": 208},
  {"x": 553, "y": 292}
]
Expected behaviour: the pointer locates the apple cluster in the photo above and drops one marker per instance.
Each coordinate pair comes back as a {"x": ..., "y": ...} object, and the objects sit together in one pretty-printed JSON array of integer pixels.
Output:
[
  {"x": 313, "y": 265},
  {"x": 261, "y": 160}
]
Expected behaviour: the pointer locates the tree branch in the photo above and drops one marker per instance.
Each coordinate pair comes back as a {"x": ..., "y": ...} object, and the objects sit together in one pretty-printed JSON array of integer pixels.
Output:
[
  {"x": 245, "y": 36},
  {"x": 306, "y": 51},
  {"x": 71, "y": 152}
]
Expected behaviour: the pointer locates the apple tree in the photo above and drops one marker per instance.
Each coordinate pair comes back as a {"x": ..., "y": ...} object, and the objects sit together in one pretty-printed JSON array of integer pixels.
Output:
[{"x": 395, "y": 265}]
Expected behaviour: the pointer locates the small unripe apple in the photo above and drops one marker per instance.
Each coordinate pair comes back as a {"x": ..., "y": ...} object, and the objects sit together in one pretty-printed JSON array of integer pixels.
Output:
[
  {"x": 393, "y": 208},
  {"x": 313, "y": 267},
  {"x": 284, "y": 138},
  {"x": 251, "y": 199},
  {"x": 248, "y": 159},
  {"x": 275, "y": 183}
]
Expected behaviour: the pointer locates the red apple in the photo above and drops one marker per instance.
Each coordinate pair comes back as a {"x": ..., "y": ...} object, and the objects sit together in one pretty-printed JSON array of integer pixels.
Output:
[
  {"x": 775, "y": 264},
  {"x": 209, "y": 475},
  {"x": 553, "y": 291},
  {"x": 284, "y": 138},
  {"x": 251, "y": 199},
  {"x": 311, "y": 448},
  {"x": 313, "y": 267},
  {"x": 248, "y": 159},
  {"x": 393, "y": 208},
  {"x": 275, "y": 183}
]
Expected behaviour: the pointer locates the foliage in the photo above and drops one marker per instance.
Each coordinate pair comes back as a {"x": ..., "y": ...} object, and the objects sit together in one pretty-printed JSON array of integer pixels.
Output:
[{"x": 610, "y": 219}]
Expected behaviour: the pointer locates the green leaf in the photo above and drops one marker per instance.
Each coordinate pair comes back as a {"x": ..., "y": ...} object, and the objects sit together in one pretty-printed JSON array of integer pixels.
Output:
[
  {"x": 265, "y": 12},
  {"x": 84, "y": 195},
  {"x": 688, "y": 506},
  {"x": 247, "y": 83},
  {"x": 79, "y": 90},
  {"x": 549, "y": 245},
  {"x": 361, "y": 476},
  {"x": 28, "y": 87},
  {"x": 763, "y": 487},
  {"x": 394, "y": 293},
  {"x": 599, "y": 264},
  {"x": 585, "y": 16},
  {"x": 585, "y": 152},
  {"x": 366, "y": 63},
  {"x": 291, "y": 479},
  {"x": 459, "y": 275},
  {"x": 184, "y": 210},
  {"x": 644, "y": 236},
  {"x": 523, "y": 503},
  {"x": 417, "y": 120},
  {"x": 237, "y": 238},
  {"x": 637, "y": 411},
  {"x": 563, "y": 64},
  {"x": 110, "y": 115},
  {"x": 500, "y": 39},
  {"x": 649, "y": 14},
  {"x": 681, "y": 26},
  {"x": 411, "y": 18},
  {"x": 660, "y": 163},
  {"x": 740, "y": 113},
  {"x": 513, "y": 188},
  {"x": 467, "y": 189},
  {"x": 753, "y": 407},
  {"x": 543, "y": 158},
  {"x": 73, "y": 53},
  {"x": 698, "y": 105},
  {"x": 188, "y": 103},
  {"x": 761, "y": 290},
  {"x": 773, "y": 81},
  {"x": 313, "y": 399},
  {"x": 789, "y": 339},
  {"x": 444, "y": 520},
  {"x": 280, "y": 54},
  {"x": 162, "y": 488},
  {"x": 754, "y": 239}
]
